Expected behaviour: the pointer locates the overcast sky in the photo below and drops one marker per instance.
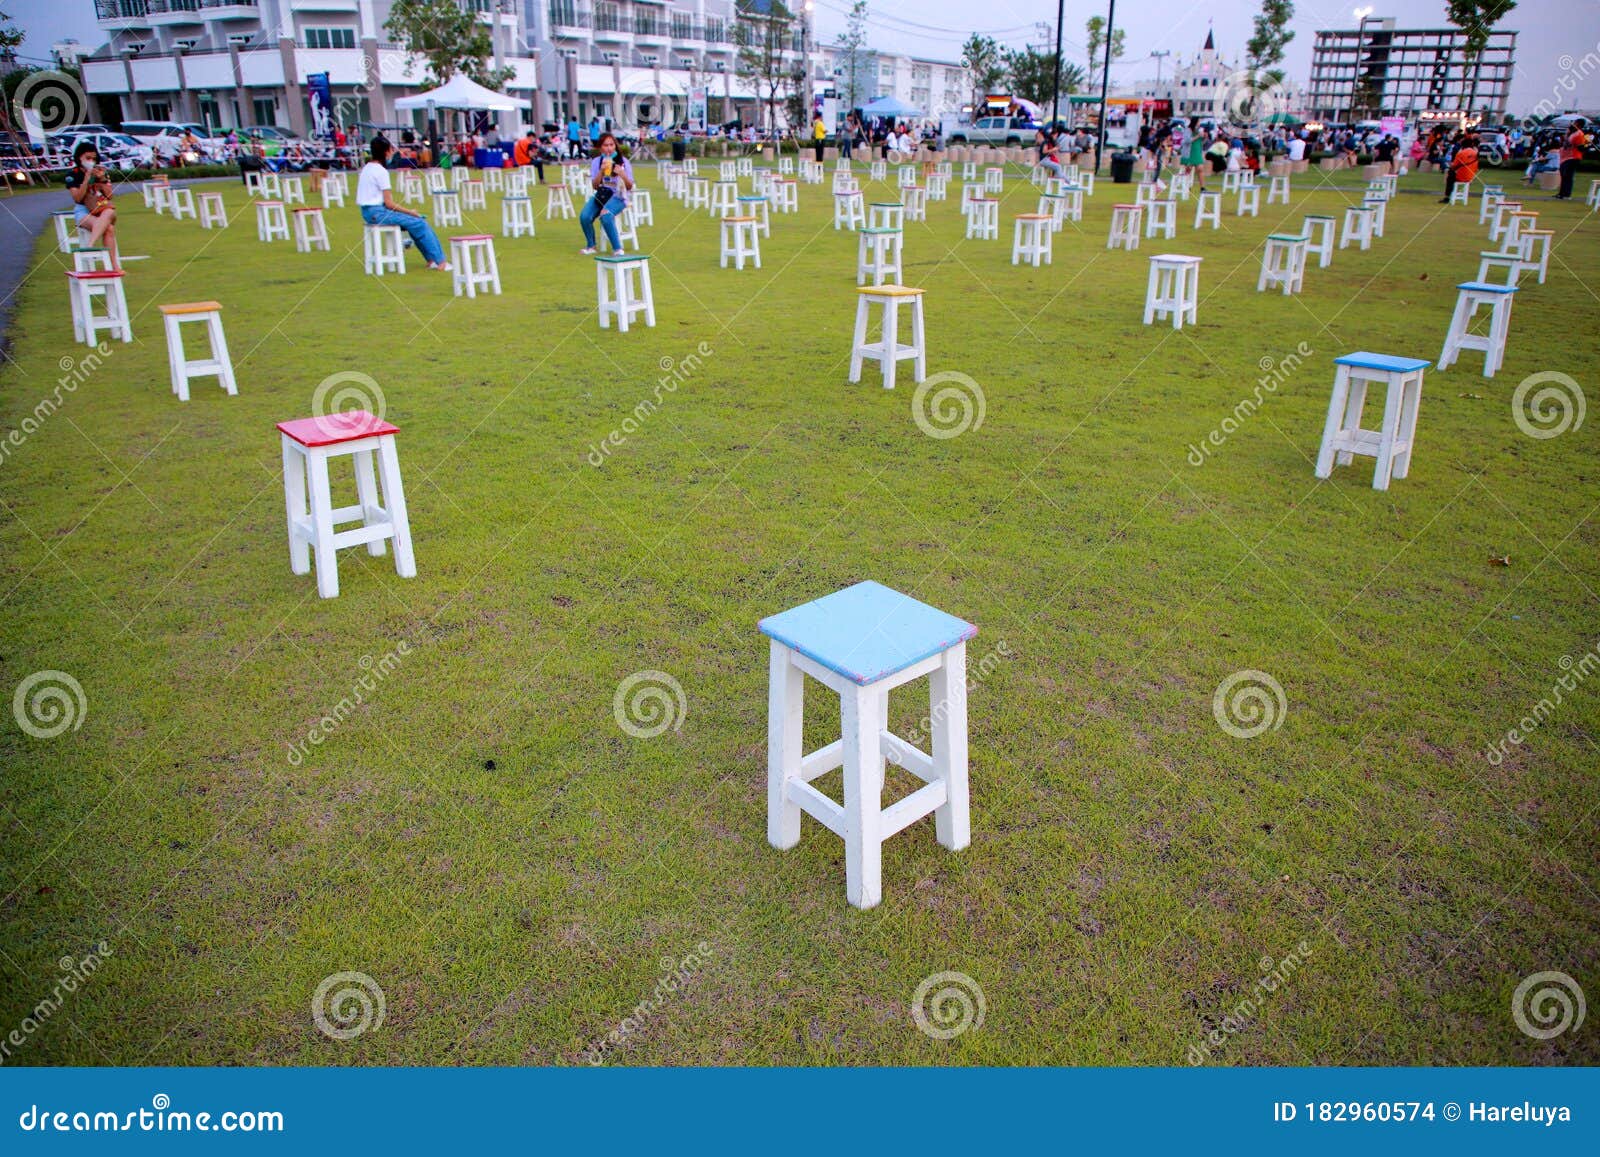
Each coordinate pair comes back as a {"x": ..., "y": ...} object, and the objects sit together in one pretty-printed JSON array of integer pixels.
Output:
[{"x": 1555, "y": 36}]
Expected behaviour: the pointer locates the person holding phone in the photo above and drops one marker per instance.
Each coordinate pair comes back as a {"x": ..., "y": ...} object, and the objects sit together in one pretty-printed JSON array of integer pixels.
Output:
[
  {"x": 611, "y": 176},
  {"x": 91, "y": 192}
]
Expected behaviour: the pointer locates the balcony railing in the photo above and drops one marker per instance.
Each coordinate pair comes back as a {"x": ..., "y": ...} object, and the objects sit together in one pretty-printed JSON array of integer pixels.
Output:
[
  {"x": 565, "y": 14},
  {"x": 610, "y": 20},
  {"x": 121, "y": 9},
  {"x": 163, "y": 7},
  {"x": 649, "y": 26}
]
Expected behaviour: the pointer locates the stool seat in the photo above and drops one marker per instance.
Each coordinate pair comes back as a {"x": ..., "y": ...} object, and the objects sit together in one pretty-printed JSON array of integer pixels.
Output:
[
  {"x": 472, "y": 237},
  {"x": 739, "y": 220},
  {"x": 867, "y": 632},
  {"x": 1384, "y": 362},
  {"x": 1033, "y": 216},
  {"x": 1124, "y": 205},
  {"x": 331, "y": 429},
  {"x": 619, "y": 258},
  {"x": 1319, "y": 217},
  {"x": 192, "y": 307},
  {"x": 1286, "y": 237},
  {"x": 93, "y": 274},
  {"x": 890, "y": 290},
  {"x": 876, "y": 230},
  {"x": 1486, "y": 287}
]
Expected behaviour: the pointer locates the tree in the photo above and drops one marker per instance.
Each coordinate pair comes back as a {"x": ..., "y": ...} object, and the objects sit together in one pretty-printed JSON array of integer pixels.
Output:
[
  {"x": 11, "y": 36},
  {"x": 1477, "y": 19},
  {"x": 1095, "y": 40},
  {"x": 985, "y": 64},
  {"x": 853, "y": 58},
  {"x": 1032, "y": 75},
  {"x": 764, "y": 30},
  {"x": 449, "y": 38},
  {"x": 1265, "y": 47}
]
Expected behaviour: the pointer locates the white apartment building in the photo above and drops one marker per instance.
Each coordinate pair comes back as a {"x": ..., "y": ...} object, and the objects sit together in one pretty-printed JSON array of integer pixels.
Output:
[
  {"x": 1196, "y": 85},
  {"x": 937, "y": 87}
]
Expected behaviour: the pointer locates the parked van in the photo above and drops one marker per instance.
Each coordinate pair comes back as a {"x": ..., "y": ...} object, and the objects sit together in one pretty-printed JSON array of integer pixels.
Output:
[{"x": 165, "y": 138}]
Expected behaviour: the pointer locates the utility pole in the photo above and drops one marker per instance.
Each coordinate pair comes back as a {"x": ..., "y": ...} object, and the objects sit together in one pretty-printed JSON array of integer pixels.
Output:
[
  {"x": 1105, "y": 83},
  {"x": 1159, "y": 57},
  {"x": 1055, "y": 81}
]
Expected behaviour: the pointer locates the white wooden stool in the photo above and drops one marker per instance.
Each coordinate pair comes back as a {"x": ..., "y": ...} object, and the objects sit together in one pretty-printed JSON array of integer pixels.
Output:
[
  {"x": 474, "y": 195},
  {"x": 862, "y": 642},
  {"x": 812, "y": 172},
  {"x": 938, "y": 187},
  {"x": 82, "y": 289},
  {"x": 1054, "y": 206},
  {"x": 1318, "y": 230},
  {"x": 1342, "y": 435},
  {"x": 494, "y": 180},
  {"x": 622, "y": 283},
  {"x": 383, "y": 249},
  {"x": 161, "y": 198},
  {"x": 1249, "y": 201},
  {"x": 458, "y": 174},
  {"x": 1173, "y": 289},
  {"x": 969, "y": 194},
  {"x": 969, "y": 170},
  {"x": 1145, "y": 192},
  {"x": 886, "y": 215},
  {"x": 1208, "y": 208},
  {"x": 1593, "y": 200},
  {"x": 558, "y": 203},
  {"x": 412, "y": 191},
  {"x": 294, "y": 190},
  {"x": 696, "y": 192},
  {"x": 983, "y": 219},
  {"x": 219, "y": 365},
  {"x": 1380, "y": 213},
  {"x": 761, "y": 209},
  {"x": 1540, "y": 240},
  {"x": 724, "y": 199},
  {"x": 252, "y": 187},
  {"x": 1278, "y": 192},
  {"x": 1124, "y": 227},
  {"x": 1470, "y": 297},
  {"x": 183, "y": 203},
  {"x": 66, "y": 230},
  {"x": 1247, "y": 178},
  {"x": 1183, "y": 187},
  {"x": 849, "y": 211},
  {"x": 1231, "y": 182},
  {"x": 878, "y": 171},
  {"x": 1488, "y": 198},
  {"x": 1031, "y": 239},
  {"x": 761, "y": 182},
  {"x": 746, "y": 166},
  {"x": 906, "y": 176},
  {"x": 627, "y": 230},
  {"x": 310, "y": 230},
  {"x": 91, "y": 259},
  {"x": 446, "y": 208},
  {"x": 641, "y": 208},
  {"x": 843, "y": 181},
  {"x": 516, "y": 216},
  {"x": 1357, "y": 227},
  {"x": 887, "y": 350},
  {"x": 691, "y": 165},
  {"x": 1461, "y": 194},
  {"x": 271, "y": 185},
  {"x": 516, "y": 183},
  {"x": 1511, "y": 236},
  {"x": 1086, "y": 182},
  {"x": 272, "y": 224},
  {"x": 878, "y": 253},
  {"x": 786, "y": 195},
  {"x": 473, "y": 266},
  {"x": 727, "y": 171},
  {"x": 994, "y": 180},
  {"x": 741, "y": 238},
  {"x": 1510, "y": 262},
  {"x": 213, "y": 213},
  {"x": 1283, "y": 262},
  {"x": 786, "y": 165},
  {"x": 915, "y": 198},
  {"x": 1072, "y": 206},
  {"x": 1499, "y": 221},
  {"x": 1161, "y": 216},
  {"x": 308, "y": 444}
]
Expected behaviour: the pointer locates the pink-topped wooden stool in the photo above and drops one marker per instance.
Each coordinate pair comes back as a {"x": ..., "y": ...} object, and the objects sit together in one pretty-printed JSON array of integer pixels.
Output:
[
  {"x": 83, "y": 288},
  {"x": 308, "y": 444}
]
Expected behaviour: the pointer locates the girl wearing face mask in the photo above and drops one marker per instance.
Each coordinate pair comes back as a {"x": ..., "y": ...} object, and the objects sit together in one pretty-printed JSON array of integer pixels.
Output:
[
  {"x": 611, "y": 177},
  {"x": 91, "y": 192}
]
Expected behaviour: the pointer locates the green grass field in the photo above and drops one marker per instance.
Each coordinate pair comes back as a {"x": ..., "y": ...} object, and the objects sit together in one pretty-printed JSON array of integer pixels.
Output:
[{"x": 517, "y": 874}]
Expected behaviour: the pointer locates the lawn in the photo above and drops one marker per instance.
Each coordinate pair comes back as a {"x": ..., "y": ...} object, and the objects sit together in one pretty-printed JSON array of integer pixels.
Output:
[{"x": 522, "y": 877}]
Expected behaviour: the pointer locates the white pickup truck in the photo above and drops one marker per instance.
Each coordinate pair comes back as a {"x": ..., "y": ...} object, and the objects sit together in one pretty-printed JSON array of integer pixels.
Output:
[{"x": 991, "y": 131}]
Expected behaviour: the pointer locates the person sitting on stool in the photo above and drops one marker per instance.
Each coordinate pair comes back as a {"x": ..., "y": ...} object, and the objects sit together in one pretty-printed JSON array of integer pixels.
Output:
[{"x": 376, "y": 202}]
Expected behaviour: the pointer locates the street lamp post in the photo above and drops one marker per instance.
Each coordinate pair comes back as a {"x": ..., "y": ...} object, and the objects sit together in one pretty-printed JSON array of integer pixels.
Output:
[{"x": 1362, "y": 15}]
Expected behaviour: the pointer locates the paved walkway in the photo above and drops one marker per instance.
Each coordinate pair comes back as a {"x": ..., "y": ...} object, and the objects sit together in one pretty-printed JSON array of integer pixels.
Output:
[{"x": 22, "y": 218}]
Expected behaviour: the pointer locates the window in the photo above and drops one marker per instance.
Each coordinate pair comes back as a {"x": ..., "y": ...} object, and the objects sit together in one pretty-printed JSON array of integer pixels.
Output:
[
  {"x": 716, "y": 30},
  {"x": 686, "y": 63},
  {"x": 264, "y": 109},
  {"x": 563, "y": 12},
  {"x": 330, "y": 38},
  {"x": 158, "y": 110},
  {"x": 682, "y": 26}
]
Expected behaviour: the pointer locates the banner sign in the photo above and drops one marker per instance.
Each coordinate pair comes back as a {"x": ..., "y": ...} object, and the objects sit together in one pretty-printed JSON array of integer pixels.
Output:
[{"x": 320, "y": 94}]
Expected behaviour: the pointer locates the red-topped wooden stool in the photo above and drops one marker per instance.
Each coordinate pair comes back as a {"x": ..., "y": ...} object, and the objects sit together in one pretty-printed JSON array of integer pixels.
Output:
[
  {"x": 308, "y": 443},
  {"x": 83, "y": 287}
]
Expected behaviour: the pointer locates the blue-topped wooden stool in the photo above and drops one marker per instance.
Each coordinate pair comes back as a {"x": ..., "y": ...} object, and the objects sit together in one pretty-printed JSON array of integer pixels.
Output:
[
  {"x": 1342, "y": 434},
  {"x": 1470, "y": 297},
  {"x": 862, "y": 642}
]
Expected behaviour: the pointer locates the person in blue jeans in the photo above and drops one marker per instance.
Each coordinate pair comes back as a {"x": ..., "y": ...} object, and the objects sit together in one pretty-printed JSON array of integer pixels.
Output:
[
  {"x": 376, "y": 202},
  {"x": 611, "y": 176}
]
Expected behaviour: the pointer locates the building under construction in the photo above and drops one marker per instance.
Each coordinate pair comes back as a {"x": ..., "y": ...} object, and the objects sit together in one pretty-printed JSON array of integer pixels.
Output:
[{"x": 1378, "y": 70}]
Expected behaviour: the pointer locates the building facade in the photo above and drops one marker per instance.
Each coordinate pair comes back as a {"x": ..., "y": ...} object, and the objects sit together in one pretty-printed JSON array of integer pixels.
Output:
[
  {"x": 1378, "y": 70},
  {"x": 937, "y": 87},
  {"x": 1205, "y": 85}
]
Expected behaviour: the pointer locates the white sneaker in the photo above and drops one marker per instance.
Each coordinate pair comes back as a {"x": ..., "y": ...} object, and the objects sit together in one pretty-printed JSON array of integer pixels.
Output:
[{"x": 587, "y": 252}]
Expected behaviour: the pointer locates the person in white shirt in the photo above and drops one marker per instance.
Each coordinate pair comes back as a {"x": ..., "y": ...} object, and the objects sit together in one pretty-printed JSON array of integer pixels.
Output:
[
  {"x": 1297, "y": 149},
  {"x": 376, "y": 202}
]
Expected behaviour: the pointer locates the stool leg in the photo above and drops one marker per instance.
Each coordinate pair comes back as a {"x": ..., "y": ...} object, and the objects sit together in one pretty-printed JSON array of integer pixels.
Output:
[
  {"x": 863, "y": 796},
  {"x": 294, "y": 494},
  {"x": 1152, "y": 287},
  {"x": 175, "y": 359},
  {"x": 322, "y": 525},
  {"x": 785, "y": 731},
  {"x": 600, "y": 293},
  {"x": 1452, "y": 337},
  {"x": 919, "y": 366},
  {"x": 948, "y": 686},
  {"x": 891, "y": 341},
  {"x": 1330, "y": 428},
  {"x": 649, "y": 296},
  {"x": 1409, "y": 405},
  {"x": 219, "y": 350},
  {"x": 1356, "y": 402},
  {"x": 1392, "y": 398},
  {"x": 394, "y": 496},
  {"x": 367, "y": 495},
  {"x": 619, "y": 286},
  {"x": 859, "y": 340}
]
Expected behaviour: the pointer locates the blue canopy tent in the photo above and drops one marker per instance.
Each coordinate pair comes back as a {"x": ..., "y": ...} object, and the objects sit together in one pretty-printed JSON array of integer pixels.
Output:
[{"x": 890, "y": 108}]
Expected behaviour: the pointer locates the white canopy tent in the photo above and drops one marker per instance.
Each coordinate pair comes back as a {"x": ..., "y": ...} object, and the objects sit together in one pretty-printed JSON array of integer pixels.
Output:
[{"x": 460, "y": 92}]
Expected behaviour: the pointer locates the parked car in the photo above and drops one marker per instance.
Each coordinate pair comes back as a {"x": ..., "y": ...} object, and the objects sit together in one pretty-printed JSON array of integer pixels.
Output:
[
  {"x": 117, "y": 150},
  {"x": 992, "y": 131},
  {"x": 165, "y": 139},
  {"x": 273, "y": 139}
]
